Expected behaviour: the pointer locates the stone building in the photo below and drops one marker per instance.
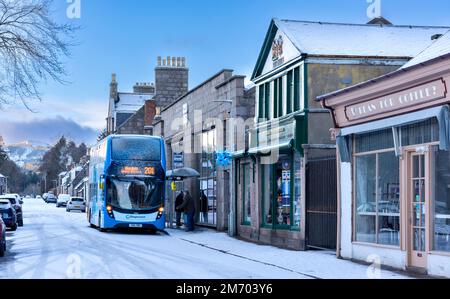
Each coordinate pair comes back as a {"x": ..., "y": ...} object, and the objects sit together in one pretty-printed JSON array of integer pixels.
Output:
[
  {"x": 285, "y": 191},
  {"x": 196, "y": 126},
  {"x": 134, "y": 112}
]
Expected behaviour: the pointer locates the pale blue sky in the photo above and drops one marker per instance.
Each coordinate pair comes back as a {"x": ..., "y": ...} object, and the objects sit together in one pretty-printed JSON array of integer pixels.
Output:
[{"x": 126, "y": 36}]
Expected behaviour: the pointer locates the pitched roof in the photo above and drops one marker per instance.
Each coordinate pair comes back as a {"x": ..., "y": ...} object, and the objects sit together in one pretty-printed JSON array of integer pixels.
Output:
[
  {"x": 350, "y": 40},
  {"x": 131, "y": 102},
  {"x": 440, "y": 47},
  {"x": 317, "y": 38}
]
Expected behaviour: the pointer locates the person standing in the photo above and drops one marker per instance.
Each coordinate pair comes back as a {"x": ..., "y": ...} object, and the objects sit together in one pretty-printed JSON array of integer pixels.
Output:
[
  {"x": 188, "y": 207},
  {"x": 178, "y": 202},
  {"x": 204, "y": 206}
]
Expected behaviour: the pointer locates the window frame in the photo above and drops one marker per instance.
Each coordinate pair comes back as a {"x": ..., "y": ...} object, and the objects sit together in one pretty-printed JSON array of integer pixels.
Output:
[
  {"x": 273, "y": 200},
  {"x": 354, "y": 199},
  {"x": 245, "y": 171}
]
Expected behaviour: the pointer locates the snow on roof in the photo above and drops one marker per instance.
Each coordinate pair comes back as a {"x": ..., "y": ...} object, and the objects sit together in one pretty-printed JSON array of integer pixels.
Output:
[
  {"x": 132, "y": 102},
  {"x": 319, "y": 38},
  {"x": 439, "y": 48},
  {"x": 2, "y": 176}
]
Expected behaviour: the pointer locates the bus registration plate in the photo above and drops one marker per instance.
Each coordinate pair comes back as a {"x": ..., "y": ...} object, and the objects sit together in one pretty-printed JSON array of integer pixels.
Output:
[{"x": 136, "y": 225}]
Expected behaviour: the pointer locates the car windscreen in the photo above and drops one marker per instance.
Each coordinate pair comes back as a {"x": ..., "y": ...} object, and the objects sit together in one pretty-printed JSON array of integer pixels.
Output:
[
  {"x": 11, "y": 200},
  {"x": 136, "y": 149},
  {"x": 4, "y": 205}
]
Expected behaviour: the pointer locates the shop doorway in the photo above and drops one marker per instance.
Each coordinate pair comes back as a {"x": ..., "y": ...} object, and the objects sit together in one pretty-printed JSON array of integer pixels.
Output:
[
  {"x": 321, "y": 204},
  {"x": 418, "y": 201}
]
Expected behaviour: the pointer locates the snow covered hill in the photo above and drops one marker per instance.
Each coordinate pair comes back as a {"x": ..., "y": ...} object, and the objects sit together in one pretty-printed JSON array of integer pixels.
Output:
[{"x": 27, "y": 155}]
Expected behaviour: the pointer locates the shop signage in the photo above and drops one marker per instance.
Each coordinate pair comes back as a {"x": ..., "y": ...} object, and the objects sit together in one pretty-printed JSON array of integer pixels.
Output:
[
  {"x": 425, "y": 93},
  {"x": 277, "y": 51},
  {"x": 178, "y": 160},
  {"x": 276, "y": 135}
]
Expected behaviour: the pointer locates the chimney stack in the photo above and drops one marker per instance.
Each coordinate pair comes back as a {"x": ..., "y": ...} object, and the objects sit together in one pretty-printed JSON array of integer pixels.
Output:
[{"x": 159, "y": 60}]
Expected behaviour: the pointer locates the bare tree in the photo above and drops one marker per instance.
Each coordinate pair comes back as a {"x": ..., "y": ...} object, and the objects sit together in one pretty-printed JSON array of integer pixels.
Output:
[{"x": 32, "y": 46}]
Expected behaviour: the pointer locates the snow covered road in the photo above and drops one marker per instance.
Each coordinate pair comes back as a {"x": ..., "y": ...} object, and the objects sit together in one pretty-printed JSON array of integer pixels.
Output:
[{"x": 56, "y": 244}]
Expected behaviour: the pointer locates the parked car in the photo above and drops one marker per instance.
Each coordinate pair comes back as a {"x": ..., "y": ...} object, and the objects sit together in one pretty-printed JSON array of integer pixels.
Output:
[
  {"x": 51, "y": 199},
  {"x": 16, "y": 203},
  {"x": 2, "y": 237},
  {"x": 62, "y": 201},
  {"x": 44, "y": 196},
  {"x": 76, "y": 204},
  {"x": 38, "y": 197},
  {"x": 8, "y": 213}
]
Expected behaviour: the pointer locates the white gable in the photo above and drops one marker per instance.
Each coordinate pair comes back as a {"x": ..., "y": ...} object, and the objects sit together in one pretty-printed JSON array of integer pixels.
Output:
[{"x": 282, "y": 51}]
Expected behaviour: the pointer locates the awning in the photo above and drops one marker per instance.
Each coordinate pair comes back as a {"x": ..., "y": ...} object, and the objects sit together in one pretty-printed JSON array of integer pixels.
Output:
[{"x": 441, "y": 113}]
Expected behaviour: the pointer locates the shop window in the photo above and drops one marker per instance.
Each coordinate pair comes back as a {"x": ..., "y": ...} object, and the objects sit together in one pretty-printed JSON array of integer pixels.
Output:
[
  {"x": 442, "y": 201},
  {"x": 267, "y": 195},
  {"x": 377, "y": 197},
  {"x": 420, "y": 133},
  {"x": 374, "y": 141},
  {"x": 208, "y": 180},
  {"x": 283, "y": 190},
  {"x": 297, "y": 190},
  {"x": 246, "y": 195}
]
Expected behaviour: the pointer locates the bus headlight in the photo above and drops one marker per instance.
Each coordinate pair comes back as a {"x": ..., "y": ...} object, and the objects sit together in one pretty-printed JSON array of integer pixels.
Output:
[
  {"x": 160, "y": 213},
  {"x": 109, "y": 209}
]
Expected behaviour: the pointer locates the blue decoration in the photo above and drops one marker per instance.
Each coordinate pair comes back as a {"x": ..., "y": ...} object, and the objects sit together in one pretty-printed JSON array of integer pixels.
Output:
[{"x": 223, "y": 158}]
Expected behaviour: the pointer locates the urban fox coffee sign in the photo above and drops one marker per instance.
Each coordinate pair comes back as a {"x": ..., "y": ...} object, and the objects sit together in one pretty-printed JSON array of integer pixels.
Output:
[{"x": 418, "y": 95}]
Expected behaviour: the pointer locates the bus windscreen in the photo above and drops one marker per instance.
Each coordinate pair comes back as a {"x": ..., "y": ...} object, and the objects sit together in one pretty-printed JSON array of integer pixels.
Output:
[
  {"x": 135, "y": 195},
  {"x": 136, "y": 149}
]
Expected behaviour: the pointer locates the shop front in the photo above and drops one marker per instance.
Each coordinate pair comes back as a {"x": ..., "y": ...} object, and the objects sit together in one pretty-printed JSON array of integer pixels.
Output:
[{"x": 393, "y": 137}]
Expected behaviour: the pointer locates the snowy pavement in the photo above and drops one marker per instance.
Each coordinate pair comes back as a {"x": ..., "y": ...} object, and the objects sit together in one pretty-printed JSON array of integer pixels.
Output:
[{"x": 57, "y": 244}]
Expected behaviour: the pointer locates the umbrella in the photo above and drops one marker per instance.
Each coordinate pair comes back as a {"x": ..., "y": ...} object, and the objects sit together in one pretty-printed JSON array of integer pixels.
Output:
[{"x": 182, "y": 173}]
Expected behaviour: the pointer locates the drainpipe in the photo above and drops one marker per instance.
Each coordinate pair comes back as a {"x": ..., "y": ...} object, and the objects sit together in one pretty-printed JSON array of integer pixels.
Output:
[
  {"x": 338, "y": 178},
  {"x": 338, "y": 183},
  {"x": 232, "y": 214}
]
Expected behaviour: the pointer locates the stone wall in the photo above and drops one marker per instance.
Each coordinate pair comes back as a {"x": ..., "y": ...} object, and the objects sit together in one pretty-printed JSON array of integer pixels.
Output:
[
  {"x": 170, "y": 83},
  {"x": 134, "y": 125}
]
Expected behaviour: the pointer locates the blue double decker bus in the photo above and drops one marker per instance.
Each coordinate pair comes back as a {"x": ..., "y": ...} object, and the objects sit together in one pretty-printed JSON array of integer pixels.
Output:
[{"x": 127, "y": 183}]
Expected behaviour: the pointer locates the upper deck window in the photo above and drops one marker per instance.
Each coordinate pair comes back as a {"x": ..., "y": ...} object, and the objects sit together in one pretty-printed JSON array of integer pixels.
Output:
[{"x": 136, "y": 149}]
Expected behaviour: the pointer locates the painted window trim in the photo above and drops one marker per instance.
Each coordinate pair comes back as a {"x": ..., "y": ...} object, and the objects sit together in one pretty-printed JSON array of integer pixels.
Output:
[
  {"x": 244, "y": 173},
  {"x": 273, "y": 225},
  {"x": 354, "y": 199}
]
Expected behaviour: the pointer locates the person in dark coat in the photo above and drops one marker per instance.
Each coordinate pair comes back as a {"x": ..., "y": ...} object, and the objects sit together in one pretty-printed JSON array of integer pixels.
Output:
[
  {"x": 188, "y": 207},
  {"x": 204, "y": 206},
  {"x": 179, "y": 202}
]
